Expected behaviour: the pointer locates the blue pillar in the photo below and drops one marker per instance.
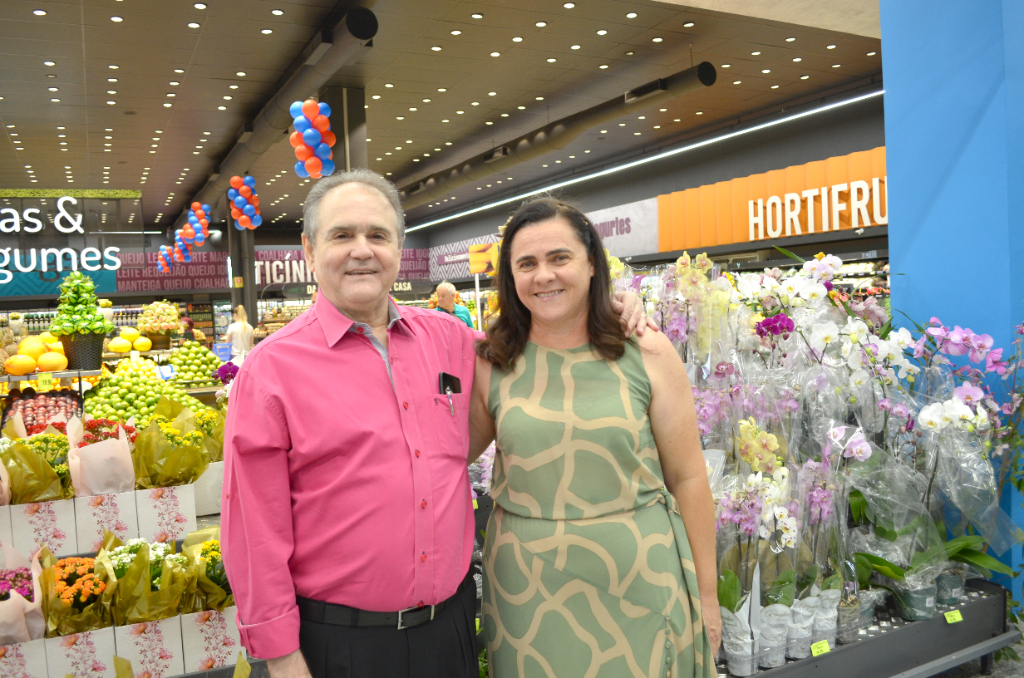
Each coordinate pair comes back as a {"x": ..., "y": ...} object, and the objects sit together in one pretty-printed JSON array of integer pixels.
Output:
[{"x": 954, "y": 130}]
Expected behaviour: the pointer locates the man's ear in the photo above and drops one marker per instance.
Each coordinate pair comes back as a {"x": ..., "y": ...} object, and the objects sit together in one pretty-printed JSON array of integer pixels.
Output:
[{"x": 307, "y": 252}]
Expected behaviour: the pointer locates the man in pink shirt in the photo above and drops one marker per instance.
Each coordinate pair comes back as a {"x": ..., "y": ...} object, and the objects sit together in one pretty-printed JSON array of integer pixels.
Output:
[{"x": 347, "y": 520}]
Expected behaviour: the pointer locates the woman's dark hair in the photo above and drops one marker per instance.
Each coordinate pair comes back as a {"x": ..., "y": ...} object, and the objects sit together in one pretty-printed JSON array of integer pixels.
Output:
[{"x": 508, "y": 334}]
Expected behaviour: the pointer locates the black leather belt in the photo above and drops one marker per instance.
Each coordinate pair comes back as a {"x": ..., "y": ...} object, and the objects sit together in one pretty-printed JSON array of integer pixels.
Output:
[{"x": 342, "y": 615}]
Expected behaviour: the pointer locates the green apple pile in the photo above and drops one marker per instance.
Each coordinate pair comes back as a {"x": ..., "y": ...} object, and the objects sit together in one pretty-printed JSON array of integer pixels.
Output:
[
  {"x": 132, "y": 394},
  {"x": 78, "y": 312},
  {"x": 194, "y": 364}
]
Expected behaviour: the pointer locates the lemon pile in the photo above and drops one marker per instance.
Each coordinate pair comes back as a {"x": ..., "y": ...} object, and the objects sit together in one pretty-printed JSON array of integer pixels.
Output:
[{"x": 130, "y": 339}]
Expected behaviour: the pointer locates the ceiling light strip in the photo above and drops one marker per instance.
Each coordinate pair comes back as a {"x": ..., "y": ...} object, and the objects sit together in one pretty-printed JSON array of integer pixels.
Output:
[{"x": 653, "y": 158}]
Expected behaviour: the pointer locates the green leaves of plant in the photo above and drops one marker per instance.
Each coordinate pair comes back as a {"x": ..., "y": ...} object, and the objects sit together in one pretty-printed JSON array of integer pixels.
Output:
[
  {"x": 730, "y": 592},
  {"x": 783, "y": 590},
  {"x": 879, "y": 565}
]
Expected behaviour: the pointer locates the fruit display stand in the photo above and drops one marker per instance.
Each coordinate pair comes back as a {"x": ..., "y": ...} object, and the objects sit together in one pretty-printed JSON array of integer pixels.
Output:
[
  {"x": 894, "y": 648},
  {"x": 56, "y": 376}
]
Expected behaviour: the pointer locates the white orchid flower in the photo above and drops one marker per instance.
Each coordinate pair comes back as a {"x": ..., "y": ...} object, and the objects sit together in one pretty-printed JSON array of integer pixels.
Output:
[
  {"x": 749, "y": 285},
  {"x": 957, "y": 412},
  {"x": 859, "y": 378},
  {"x": 903, "y": 338},
  {"x": 856, "y": 330},
  {"x": 824, "y": 334},
  {"x": 813, "y": 291},
  {"x": 930, "y": 417}
]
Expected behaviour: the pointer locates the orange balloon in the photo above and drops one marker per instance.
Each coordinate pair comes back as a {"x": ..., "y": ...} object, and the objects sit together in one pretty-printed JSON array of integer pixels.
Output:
[
  {"x": 200, "y": 214},
  {"x": 204, "y": 222},
  {"x": 245, "y": 191},
  {"x": 257, "y": 210},
  {"x": 244, "y": 221},
  {"x": 316, "y": 176},
  {"x": 303, "y": 152},
  {"x": 328, "y": 138},
  {"x": 310, "y": 108},
  {"x": 236, "y": 182},
  {"x": 295, "y": 138},
  {"x": 254, "y": 201},
  {"x": 314, "y": 165},
  {"x": 196, "y": 206},
  {"x": 321, "y": 123},
  {"x": 235, "y": 213},
  {"x": 331, "y": 156}
]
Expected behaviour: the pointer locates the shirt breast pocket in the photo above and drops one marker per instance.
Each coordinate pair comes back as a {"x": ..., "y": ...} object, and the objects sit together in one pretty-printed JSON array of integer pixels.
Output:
[{"x": 450, "y": 422}]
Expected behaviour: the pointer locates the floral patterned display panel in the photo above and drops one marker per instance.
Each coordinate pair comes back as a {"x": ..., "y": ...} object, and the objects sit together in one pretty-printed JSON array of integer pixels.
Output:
[
  {"x": 6, "y": 533},
  {"x": 45, "y": 523},
  {"x": 211, "y": 640},
  {"x": 153, "y": 648},
  {"x": 82, "y": 655},
  {"x": 166, "y": 513},
  {"x": 208, "y": 488},
  {"x": 112, "y": 512},
  {"x": 23, "y": 660}
]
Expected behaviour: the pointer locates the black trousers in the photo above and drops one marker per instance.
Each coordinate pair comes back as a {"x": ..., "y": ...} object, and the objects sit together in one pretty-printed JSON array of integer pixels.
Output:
[{"x": 441, "y": 648}]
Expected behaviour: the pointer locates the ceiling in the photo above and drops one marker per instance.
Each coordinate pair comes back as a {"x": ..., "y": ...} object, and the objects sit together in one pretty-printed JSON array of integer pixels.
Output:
[{"x": 181, "y": 94}]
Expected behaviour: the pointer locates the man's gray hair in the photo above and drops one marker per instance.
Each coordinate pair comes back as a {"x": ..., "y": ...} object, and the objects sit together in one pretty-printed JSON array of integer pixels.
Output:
[
  {"x": 446, "y": 286},
  {"x": 311, "y": 209}
]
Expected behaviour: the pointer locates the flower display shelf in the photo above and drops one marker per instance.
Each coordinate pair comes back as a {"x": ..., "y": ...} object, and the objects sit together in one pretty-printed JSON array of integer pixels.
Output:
[{"x": 894, "y": 648}]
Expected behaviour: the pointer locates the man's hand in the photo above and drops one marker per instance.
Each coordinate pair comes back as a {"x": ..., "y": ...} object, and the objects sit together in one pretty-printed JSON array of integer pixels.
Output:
[
  {"x": 289, "y": 666},
  {"x": 631, "y": 313}
]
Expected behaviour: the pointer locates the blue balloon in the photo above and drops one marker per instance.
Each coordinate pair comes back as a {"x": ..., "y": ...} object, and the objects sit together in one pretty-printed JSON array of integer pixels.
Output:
[
  {"x": 311, "y": 136},
  {"x": 300, "y": 169},
  {"x": 249, "y": 210},
  {"x": 323, "y": 151},
  {"x": 240, "y": 202},
  {"x": 325, "y": 109},
  {"x": 328, "y": 167},
  {"x": 186, "y": 256},
  {"x": 295, "y": 109},
  {"x": 239, "y": 226},
  {"x": 206, "y": 209},
  {"x": 232, "y": 194},
  {"x": 249, "y": 181},
  {"x": 302, "y": 123},
  {"x": 200, "y": 238},
  {"x": 193, "y": 219},
  {"x": 257, "y": 220}
]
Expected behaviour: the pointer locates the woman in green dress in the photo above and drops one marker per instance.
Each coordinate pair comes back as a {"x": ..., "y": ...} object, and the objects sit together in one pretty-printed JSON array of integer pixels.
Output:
[{"x": 600, "y": 553}]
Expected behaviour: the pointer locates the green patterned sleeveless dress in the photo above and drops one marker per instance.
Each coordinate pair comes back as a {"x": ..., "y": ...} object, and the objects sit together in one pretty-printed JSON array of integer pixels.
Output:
[{"x": 587, "y": 568}]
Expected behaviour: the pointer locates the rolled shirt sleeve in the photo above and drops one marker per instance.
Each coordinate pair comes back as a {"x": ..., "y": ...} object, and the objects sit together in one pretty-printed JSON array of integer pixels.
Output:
[{"x": 257, "y": 536}]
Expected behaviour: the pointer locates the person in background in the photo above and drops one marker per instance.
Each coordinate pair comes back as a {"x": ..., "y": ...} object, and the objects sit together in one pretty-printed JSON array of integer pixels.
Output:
[
  {"x": 599, "y": 479},
  {"x": 239, "y": 333},
  {"x": 347, "y": 515},
  {"x": 446, "y": 304},
  {"x": 188, "y": 328}
]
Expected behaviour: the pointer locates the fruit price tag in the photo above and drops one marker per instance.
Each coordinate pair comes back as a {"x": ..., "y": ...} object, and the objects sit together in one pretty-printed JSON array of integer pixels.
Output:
[
  {"x": 820, "y": 648},
  {"x": 954, "y": 616},
  {"x": 44, "y": 381}
]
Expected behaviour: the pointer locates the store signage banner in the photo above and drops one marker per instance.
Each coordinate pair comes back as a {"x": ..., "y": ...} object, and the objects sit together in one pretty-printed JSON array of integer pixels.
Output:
[
  {"x": 415, "y": 264},
  {"x": 451, "y": 261},
  {"x": 628, "y": 230},
  {"x": 281, "y": 267},
  {"x": 841, "y": 193},
  {"x": 139, "y": 273}
]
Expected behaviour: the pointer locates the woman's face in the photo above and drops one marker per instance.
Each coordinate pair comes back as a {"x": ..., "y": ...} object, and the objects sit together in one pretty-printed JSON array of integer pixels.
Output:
[{"x": 552, "y": 271}]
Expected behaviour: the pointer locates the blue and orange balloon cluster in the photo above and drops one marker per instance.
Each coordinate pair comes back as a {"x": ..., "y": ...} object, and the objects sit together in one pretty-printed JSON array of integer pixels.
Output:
[
  {"x": 312, "y": 139},
  {"x": 195, "y": 232},
  {"x": 245, "y": 204}
]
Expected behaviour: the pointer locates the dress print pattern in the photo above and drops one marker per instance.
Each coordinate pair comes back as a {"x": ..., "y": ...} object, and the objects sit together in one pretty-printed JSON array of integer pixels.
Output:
[{"x": 587, "y": 568}]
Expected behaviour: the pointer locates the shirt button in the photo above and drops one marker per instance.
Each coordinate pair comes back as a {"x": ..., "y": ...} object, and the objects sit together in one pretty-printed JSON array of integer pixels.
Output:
[
  {"x": 417, "y": 453},
  {"x": 668, "y": 660},
  {"x": 405, "y": 405},
  {"x": 424, "y": 557},
  {"x": 424, "y": 503},
  {"x": 668, "y": 645}
]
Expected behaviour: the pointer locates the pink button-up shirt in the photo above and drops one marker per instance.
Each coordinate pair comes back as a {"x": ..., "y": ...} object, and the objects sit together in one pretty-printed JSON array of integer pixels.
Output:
[{"x": 340, "y": 485}]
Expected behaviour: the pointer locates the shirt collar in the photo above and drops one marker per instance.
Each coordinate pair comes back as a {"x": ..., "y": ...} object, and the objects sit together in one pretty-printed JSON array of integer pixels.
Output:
[{"x": 336, "y": 324}]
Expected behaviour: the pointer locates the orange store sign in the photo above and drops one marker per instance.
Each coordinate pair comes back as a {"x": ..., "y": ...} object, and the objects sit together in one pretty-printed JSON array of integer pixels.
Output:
[{"x": 846, "y": 192}]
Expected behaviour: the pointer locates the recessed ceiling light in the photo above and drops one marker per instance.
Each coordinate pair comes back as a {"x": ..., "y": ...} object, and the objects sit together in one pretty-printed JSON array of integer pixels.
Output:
[
  {"x": 222, "y": 108},
  {"x": 179, "y": 70},
  {"x": 446, "y": 120},
  {"x": 766, "y": 70},
  {"x": 447, "y": 143},
  {"x": 167, "y": 105},
  {"x": 232, "y": 86},
  {"x": 575, "y": 47},
  {"x": 872, "y": 53},
  {"x": 631, "y": 15},
  {"x": 49, "y": 63},
  {"x": 200, "y": 5},
  {"x": 266, "y": 31},
  {"x": 52, "y": 89},
  {"x": 170, "y": 94},
  {"x": 413, "y": 109},
  {"x": 830, "y": 47},
  {"x": 622, "y": 124},
  {"x": 111, "y": 91},
  {"x": 517, "y": 39},
  {"x": 477, "y": 16},
  {"x": 551, "y": 61},
  {"x": 375, "y": 96},
  {"x": 736, "y": 82},
  {"x": 456, "y": 32},
  {"x": 602, "y": 32},
  {"x": 400, "y": 117},
  {"x": 108, "y": 137},
  {"x": 56, "y": 101},
  {"x": 39, "y": 12},
  {"x": 50, "y": 75},
  {"x": 775, "y": 86},
  {"x": 656, "y": 39},
  {"x": 474, "y": 103},
  {"x": 436, "y": 48},
  {"x": 491, "y": 94},
  {"x": 541, "y": 24},
  {"x": 630, "y": 53},
  {"x": 836, "y": 65},
  {"x": 755, "y": 54},
  {"x": 193, "y": 24},
  {"x": 641, "y": 117},
  {"x": 603, "y": 66},
  {"x": 442, "y": 89},
  {"x": 688, "y": 24},
  {"x": 227, "y": 97},
  {"x": 459, "y": 112},
  {"x": 116, "y": 19},
  {"x": 57, "y": 128},
  {"x": 495, "y": 54},
  {"x": 521, "y": 108},
  {"x": 277, "y": 12},
  {"x": 790, "y": 39},
  {"x": 726, "y": 65},
  {"x": 488, "y": 123},
  {"x": 539, "y": 98},
  {"x": 569, "y": 5},
  {"x": 388, "y": 84},
  {"x": 426, "y": 101},
  {"x": 504, "y": 115},
  {"x": 797, "y": 60},
  {"x": 111, "y": 103},
  {"x": 804, "y": 77}
]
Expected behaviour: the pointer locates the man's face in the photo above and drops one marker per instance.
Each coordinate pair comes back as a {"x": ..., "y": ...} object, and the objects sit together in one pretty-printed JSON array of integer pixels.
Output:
[
  {"x": 446, "y": 299},
  {"x": 357, "y": 253}
]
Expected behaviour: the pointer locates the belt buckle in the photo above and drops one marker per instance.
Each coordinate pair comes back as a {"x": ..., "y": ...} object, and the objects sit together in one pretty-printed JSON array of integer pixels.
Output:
[{"x": 401, "y": 624}]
